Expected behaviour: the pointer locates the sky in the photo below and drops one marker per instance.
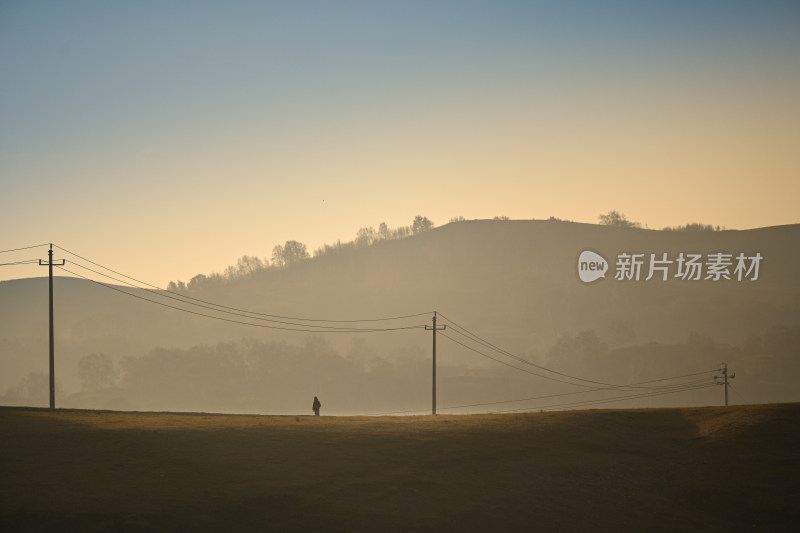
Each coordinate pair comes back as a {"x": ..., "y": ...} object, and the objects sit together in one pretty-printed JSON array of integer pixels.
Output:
[{"x": 169, "y": 138}]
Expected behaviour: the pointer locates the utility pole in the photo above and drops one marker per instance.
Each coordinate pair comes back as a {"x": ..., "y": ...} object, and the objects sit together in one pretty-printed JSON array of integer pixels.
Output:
[
  {"x": 52, "y": 340},
  {"x": 724, "y": 381},
  {"x": 434, "y": 329}
]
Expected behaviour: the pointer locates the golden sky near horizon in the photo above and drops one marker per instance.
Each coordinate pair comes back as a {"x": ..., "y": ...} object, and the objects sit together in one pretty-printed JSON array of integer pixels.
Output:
[{"x": 169, "y": 139}]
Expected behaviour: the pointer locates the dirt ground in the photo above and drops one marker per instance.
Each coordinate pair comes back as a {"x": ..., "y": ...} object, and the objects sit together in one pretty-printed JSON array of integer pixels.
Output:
[{"x": 702, "y": 469}]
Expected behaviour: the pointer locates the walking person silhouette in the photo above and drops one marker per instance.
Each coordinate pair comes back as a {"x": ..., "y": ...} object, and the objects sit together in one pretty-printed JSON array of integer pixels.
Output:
[{"x": 316, "y": 406}]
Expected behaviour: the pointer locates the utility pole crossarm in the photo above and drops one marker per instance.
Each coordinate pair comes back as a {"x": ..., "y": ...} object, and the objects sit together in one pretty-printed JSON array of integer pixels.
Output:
[
  {"x": 434, "y": 328},
  {"x": 52, "y": 338},
  {"x": 724, "y": 381}
]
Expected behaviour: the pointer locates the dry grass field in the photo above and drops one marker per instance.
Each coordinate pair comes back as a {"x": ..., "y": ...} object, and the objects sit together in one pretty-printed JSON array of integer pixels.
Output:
[{"x": 700, "y": 469}]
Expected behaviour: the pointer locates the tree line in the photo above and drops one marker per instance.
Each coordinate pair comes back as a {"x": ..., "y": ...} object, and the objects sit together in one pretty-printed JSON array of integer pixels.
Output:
[
  {"x": 619, "y": 220},
  {"x": 293, "y": 252}
]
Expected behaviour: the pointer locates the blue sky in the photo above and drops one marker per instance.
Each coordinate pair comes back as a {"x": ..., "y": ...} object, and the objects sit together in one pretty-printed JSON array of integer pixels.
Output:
[{"x": 197, "y": 132}]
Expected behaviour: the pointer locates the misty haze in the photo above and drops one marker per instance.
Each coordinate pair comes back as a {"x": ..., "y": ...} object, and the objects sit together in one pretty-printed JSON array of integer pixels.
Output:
[
  {"x": 507, "y": 290},
  {"x": 399, "y": 266}
]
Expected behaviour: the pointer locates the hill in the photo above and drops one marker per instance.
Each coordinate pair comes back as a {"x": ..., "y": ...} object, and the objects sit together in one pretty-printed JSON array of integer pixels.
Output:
[
  {"x": 514, "y": 283},
  {"x": 699, "y": 469}
]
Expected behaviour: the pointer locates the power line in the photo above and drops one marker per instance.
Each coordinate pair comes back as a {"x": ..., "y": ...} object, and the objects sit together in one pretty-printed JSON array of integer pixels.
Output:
[
  {"x": 545, "y": 396},
  {"x": 608, "y": 400},
  {"x": 209, "y": 307},
  {"x": 736, "y": 391},
  {"x": 185, "y": 297},
  {"x": 512, "y": 366},
  {"x": 23, "y": 248},
  {"x": 483, "y": 342},
  {"x": 25, "y": 262},
  {"x": 677, "y": 377},
  {"x": 343, "y": 330},
  {"x": 489, "y": 345},
  {"x": 557, "y": 406},
  {"x": 401, "y": 412},
  {"x": 605, "y": 385},
  {"x": 525, "y": 361},
  {"x": 642, "y": 386}
]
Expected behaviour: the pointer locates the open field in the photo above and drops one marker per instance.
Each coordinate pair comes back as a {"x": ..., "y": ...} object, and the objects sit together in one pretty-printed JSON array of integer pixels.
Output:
[{"x": 695, "y": 469}]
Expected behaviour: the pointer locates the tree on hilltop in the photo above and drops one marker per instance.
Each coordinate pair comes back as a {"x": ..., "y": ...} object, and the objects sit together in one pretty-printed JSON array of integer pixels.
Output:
[
  {"x": 617, "y": 219},
  {"x": 383, "y": 231},
  {"x": 245, "y": 266},
  {"x": 421, "y": 224},
  {"x": 291, "y": 252},
  {"x": 366, "y": 236}
]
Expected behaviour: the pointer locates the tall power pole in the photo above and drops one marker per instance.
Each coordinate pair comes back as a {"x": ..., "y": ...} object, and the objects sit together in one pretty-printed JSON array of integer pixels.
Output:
[
  {"x": 434, "y": 329},
  {"x": 724, "y": 381},
  {"x": 52, "y": 339}
]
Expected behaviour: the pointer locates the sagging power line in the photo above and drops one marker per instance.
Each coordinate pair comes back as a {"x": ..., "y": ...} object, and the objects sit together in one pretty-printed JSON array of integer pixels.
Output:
[
  {"x": 24, "y": 262},
  {"x": 24, "y": 248},
  {"x": 179, "y": 300},
  {"x": 609, "y": 400},
  {"x": 187, "y": 298},
  {"x": 641, "y": 389},
  {"x": 677, "y": 387},
  {"x": 492, "y": 347},
  {"x": 307, "y": 329}
]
